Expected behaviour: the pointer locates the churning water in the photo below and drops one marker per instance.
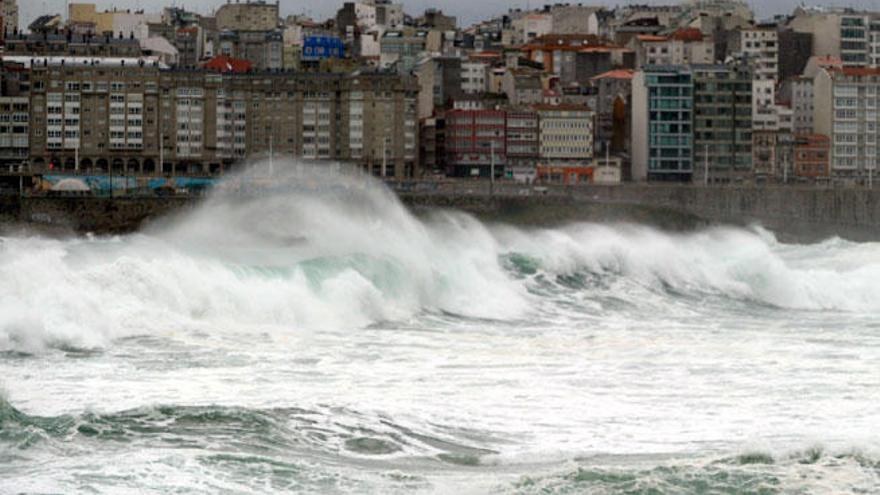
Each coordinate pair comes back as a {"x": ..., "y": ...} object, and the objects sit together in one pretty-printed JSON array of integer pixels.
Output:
[{"x": 319, "y": 338}]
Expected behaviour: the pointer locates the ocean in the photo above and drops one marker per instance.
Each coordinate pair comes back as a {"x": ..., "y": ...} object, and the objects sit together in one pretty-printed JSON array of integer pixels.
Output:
[{"x": 326, "y": 340}]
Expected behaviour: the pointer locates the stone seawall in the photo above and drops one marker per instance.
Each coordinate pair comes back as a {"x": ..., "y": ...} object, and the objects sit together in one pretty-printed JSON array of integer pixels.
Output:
[
  {"x": 795, "y": 214},
  {"x": 97, "y": 215}
]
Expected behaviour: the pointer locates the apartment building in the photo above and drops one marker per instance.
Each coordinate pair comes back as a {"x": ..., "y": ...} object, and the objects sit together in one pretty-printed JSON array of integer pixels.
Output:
[
  {"x": 133, "y": 116},
  {"x": 400, "y": 49},
  {"x": 77, "y": 45},
  {"x": 440, "y": 80},
  {"x": 473, "y": 77},
  {"x": 760, "y": 47},
  {"x": 846, "y": 108},
  {"x": 682, "y": 47},
  {"x": 99, "y": 114},
  {"x": 851, "y": 35},
  {"x": 800, "y": 91},
  {"x": 613, "y": 103},
  {"x": 14, "y": 114},
  {"x": 14, "y": 130},
  {"x": 476, "y": 143},
  {"x": 257, "y": 15},
  {"x": 662, "y": 124},
  {"x": 812, "y": 155},
  {"x": 722, "y": 106},
  {"x": 523, "y": 143},
  {"x": 566, "y": 135},
  {"x": 9, "y": 16}
]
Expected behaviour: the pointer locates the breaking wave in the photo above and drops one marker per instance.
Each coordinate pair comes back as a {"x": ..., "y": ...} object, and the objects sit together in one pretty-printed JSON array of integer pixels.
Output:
[
  {"x": 257, "y": 450},
  {"x": 317, "y": 251}
]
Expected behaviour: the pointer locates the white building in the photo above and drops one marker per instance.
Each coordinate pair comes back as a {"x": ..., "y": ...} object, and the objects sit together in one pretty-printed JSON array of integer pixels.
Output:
[
  {"x": 846, "y": 107},
  {"x": 190, "y": 109},
  {"x": 761, "y": 47},
  {"x": 802, "y": 105},
  {"x": 473, "y": 77}
]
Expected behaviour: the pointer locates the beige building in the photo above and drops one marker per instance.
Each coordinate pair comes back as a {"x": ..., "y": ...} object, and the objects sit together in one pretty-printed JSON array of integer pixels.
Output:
[
  {"x": 566, "y": 135},
  {"x": 9, "y": 13},
  {"x": 255, "y": 15},
  {"x": 845, "y": 33},
  {"x": 14, "y": 123},
  {"x": 140, "y": 118},
  {"x": 683, "y": 47},
  {"x": 110, "y": 21}
]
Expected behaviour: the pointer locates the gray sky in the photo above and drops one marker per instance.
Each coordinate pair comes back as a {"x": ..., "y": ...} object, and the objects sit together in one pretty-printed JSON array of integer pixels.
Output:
[{"x": 466, "y": 10}]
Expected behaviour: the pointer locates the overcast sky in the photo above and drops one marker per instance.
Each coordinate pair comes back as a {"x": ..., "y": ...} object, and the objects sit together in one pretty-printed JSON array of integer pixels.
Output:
[{"x": 467, "y": 11}]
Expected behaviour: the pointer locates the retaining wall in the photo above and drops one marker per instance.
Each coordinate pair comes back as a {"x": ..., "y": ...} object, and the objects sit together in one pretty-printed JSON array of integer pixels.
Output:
[{"x": 794, "y": 213}]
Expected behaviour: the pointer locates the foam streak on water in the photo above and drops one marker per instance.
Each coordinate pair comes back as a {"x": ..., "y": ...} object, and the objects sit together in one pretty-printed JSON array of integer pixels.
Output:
[{"x": 319, "y": 338}]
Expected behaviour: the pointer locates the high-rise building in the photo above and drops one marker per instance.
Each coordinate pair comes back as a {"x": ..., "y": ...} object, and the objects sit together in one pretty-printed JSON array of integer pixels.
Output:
[
  {"x": 722, "y": 122},
  {"x": 851, "y": 35},
  {"x": 846, "y": 108},
  {"x": 662, "y": 120}
]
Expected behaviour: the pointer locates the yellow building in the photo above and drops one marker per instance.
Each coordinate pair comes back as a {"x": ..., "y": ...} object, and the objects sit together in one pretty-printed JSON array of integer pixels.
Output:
[{"x": 87, "y": 13}]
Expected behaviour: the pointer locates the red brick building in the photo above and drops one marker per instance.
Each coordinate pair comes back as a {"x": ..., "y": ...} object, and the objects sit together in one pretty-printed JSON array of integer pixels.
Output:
[
  {"x": 812, "y": 156},
  {"x": 472, "y": 138}
]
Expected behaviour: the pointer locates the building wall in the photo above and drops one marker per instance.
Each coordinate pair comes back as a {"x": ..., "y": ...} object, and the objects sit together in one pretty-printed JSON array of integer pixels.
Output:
[
  {"x": 522, "y": 144},
  {"x": 669, "y": 101},
  {"x": 852, "y": 121},
  {"x": 802, "y": 105},
  {"x": 117, "y": 116},
  {"x": 14, "y": 129},
  {"x": 566, "y": 135},
  {"x": 609, "y": 90},
  {"x": 812, "y": 155},
  {"x": 473, "y": 77},
  {"x": 795, "y": 49},
  {"x": 475, "y": 142},
  {"x": 639, "y": 127},
  {"x": 257, "y": 16},
  {"x": 9, "y": 15},
  {"x": 722, "y": 123},
  {"x": 825, "y": 28}
]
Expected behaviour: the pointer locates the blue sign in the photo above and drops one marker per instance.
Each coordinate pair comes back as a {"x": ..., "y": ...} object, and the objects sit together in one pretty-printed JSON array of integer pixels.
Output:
[{"x": 323, "y": 47}]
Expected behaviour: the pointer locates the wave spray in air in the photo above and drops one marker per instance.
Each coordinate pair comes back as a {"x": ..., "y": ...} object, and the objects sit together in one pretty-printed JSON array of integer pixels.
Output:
[{"x": 315, "y": 249}]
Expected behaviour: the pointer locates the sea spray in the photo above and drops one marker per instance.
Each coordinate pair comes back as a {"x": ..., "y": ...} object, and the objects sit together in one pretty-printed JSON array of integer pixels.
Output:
[{"x": 310, "y": 248}]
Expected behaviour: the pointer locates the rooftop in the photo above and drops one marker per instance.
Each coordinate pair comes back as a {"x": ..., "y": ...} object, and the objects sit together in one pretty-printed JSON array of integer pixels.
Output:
[
  {"x": 222, "y": 63},
  {"x": 616, "y": 74},
  {"x": 565, "y": 107}
]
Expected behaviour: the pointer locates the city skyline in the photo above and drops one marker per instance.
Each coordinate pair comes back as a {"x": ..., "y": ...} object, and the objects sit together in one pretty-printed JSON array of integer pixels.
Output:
[{"x": 465, "y": 11}]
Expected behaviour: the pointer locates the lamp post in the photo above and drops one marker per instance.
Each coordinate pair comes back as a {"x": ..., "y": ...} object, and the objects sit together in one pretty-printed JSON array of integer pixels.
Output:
[
  {"x": 384, "y": 157},
  {"x": 492, "y": 170}
]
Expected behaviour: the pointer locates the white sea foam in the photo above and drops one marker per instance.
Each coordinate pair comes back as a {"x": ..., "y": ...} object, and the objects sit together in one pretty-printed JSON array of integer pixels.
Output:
[
  {"x": 326, "y": 251},
  {"x": 318, "y": 333}
]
